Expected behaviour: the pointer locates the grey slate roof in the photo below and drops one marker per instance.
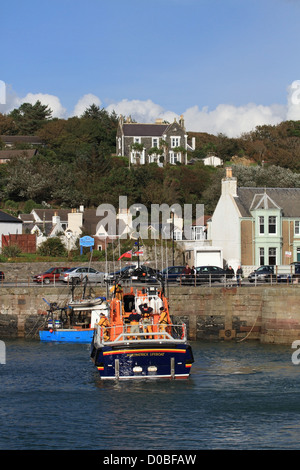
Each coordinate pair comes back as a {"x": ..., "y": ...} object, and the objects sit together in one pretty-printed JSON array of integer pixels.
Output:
[
  {"x": 24, "y": 139},
  {"x": 47, "y": 214},
  {"x": 4, "y": 217},
  {"x": 8, "y": 154},
  {"x": 144, "y": 130},
  {"x": 28, "y": 218},
  {"x": 91, "y": 220},
  {"x": 287, "y": 199}
]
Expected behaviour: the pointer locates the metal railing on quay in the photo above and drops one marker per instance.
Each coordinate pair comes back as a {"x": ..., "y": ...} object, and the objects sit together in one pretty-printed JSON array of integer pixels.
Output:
[
  {"x": 191, "y": 280},
  {"x": 29, "y": 282},
  {"x": 225, "y": 281}
]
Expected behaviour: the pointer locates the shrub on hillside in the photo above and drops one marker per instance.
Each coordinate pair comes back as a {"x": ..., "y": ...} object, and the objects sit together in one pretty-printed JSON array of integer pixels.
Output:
[{"x": 52, "y": 247}]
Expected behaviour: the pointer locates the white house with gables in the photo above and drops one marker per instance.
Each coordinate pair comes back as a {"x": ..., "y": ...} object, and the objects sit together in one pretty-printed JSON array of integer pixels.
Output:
[
  {"x": 160, "y": 142},
  {"x": 256, "y": 226}
]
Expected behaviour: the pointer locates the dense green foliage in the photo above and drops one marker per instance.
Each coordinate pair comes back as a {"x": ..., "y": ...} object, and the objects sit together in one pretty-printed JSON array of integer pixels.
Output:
[
  {"x": 77, "y": 163},
  {"x": 52, "y": 247}
]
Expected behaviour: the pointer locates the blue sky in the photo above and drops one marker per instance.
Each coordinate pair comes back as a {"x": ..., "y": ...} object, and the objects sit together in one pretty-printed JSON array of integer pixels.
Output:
[{"x": 226, "y": 65}]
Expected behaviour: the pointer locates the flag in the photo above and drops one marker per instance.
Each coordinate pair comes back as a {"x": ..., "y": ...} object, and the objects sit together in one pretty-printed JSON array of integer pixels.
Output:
[
  {"x": 128, "y": 254},
  {"x": 139, "y": 252}
]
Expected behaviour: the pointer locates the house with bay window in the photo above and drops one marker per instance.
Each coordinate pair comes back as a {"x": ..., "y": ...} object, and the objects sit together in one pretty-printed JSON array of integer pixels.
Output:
[
  {"x": 159, "y": 143},
  {"x": 256, "y": 226}
]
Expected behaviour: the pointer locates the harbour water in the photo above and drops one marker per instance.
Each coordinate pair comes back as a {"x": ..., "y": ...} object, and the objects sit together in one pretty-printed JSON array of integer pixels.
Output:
[{"x": 239, "y": 396}]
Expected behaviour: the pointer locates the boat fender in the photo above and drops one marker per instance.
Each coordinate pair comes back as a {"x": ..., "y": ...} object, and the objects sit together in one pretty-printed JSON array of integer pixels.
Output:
[
  {"x": 51, "y": 331},
  {"x": 182, "y": 335}
]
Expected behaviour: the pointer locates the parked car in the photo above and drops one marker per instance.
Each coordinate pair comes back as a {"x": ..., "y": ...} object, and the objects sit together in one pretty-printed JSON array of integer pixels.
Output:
[
  {"x": 284, "y": 277},
  {"x": 123, "y": 273},
  {"x": 296, "y": 274},
  {"x": 263, "y": 273},
  {"x": 50, "y": 275},
  {"x": 290, "y": 276},
  {"x": 204, "y": 274},
  {"x": 171, "y": 273},
  {"x": 80, "y": 273}
]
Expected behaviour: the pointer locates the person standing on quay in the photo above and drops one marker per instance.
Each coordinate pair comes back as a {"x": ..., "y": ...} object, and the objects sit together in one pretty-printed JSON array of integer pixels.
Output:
[
  {"x": 229, "y": 276},
  {"x": 239, "y": 276}
]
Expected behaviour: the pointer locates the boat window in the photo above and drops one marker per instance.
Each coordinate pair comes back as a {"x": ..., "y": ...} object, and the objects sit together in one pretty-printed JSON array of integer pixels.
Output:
[{"x": 128, "y": 303}]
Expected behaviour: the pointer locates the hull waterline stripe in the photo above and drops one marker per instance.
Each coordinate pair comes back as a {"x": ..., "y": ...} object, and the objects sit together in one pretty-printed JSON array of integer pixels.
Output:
[
  {"x": 124, "y": 377},
  {"x": 132, "y": 351}
]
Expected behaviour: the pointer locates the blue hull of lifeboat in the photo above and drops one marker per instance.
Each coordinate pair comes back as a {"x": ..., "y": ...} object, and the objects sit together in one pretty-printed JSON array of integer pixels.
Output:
[{"x": 143, "y": 361}]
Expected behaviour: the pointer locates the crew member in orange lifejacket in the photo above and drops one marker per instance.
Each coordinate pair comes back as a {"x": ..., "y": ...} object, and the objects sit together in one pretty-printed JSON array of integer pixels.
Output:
[
  {"x": 134, "y": 319},
  {"x": 163, "y": 320},
  {"x": 146, "y": 318},
  {"x": 119, "y": 292},
  {"x": 104, "y": 323}
]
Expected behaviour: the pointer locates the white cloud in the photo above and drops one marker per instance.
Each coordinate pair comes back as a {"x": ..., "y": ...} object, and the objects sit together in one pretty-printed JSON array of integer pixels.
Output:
[
  {"x": 52, "y": 101},
  {"x": 85, "y": 102},
  {"x": 232, "y": 120},
  {"x": 141, "y": 111},
  {"x": 227, "y": 119},
  {"x": 13, "y": 101}
]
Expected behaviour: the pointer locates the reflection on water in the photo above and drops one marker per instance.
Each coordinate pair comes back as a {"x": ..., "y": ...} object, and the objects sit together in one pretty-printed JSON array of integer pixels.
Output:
[{"x": 239, "y": 396}]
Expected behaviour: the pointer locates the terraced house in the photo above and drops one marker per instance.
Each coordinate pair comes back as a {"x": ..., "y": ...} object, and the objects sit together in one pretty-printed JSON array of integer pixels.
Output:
[
  {"x": 257, "y": 226},
  {"x": 159, "y": 143}
]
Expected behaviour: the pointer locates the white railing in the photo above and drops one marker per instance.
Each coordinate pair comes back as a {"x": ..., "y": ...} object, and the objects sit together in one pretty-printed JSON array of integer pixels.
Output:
[{"x": 169, "y": 333}]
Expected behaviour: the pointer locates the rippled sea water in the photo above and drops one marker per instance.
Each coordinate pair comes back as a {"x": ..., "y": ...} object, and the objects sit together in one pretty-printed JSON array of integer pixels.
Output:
[{"x": 239, "y": 396}]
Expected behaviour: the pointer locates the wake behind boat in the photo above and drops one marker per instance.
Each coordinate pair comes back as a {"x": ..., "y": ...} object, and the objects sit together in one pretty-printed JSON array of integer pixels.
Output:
[{"x": 137, "y": 339}]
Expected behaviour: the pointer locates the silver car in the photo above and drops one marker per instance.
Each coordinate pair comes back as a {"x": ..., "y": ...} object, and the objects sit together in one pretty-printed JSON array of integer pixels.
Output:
[{"x": 79, "y": 274}]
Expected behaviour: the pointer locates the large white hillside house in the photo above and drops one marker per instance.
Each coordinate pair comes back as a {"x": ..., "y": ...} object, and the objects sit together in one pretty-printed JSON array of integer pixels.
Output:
[{"x": 159, "y": 143}]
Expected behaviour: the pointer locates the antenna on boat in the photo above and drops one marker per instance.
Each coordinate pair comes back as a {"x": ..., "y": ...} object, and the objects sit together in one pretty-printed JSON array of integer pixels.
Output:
[
  {"x": 72, "y": 288},
  {"x": 85, "y": 280}
]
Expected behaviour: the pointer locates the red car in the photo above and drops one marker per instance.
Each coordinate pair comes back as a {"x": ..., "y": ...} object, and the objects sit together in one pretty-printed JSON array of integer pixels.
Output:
[{"x": 50, "y": 275}]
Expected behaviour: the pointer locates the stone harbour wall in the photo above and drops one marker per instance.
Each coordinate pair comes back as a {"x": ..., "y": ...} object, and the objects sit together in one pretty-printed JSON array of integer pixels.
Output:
[{"x": 269, "y": 314}]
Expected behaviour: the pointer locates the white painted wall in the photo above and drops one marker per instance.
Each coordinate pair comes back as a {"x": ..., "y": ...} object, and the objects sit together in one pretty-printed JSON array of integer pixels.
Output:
[
  {"x": 225, "y": 224},
  {"x": 7, "y": 228}
]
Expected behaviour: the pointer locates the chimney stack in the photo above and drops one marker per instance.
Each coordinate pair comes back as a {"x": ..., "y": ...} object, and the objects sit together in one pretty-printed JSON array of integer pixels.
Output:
[{"x": 229, "y": 183}]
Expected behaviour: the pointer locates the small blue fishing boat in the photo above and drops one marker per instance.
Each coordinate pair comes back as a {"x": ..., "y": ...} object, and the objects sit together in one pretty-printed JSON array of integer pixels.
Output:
[
  {"x": 68, "y": 335},
  {"x": 73, "y": 321}
]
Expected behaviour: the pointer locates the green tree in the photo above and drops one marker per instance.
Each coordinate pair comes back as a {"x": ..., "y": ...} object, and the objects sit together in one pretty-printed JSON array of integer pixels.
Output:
[
  {"x": 30, "y": 118},
  {"x": 7, "y": 125}
]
